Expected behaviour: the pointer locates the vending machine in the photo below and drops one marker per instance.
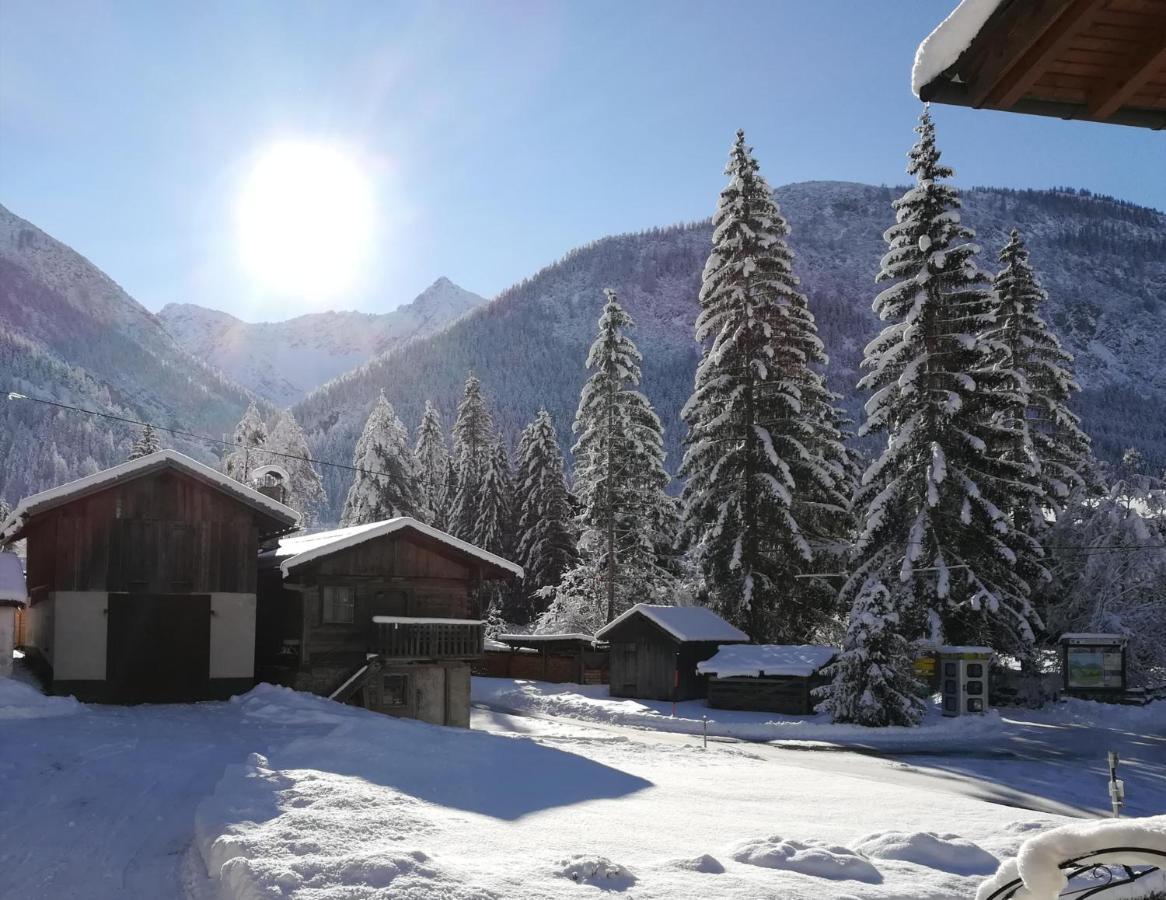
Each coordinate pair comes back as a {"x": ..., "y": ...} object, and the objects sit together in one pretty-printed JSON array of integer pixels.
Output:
[{"x": 963, "y": 679}]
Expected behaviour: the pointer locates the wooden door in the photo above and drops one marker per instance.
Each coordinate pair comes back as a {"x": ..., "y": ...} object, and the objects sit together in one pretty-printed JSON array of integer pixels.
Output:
[{"x": 158, "y": 647}]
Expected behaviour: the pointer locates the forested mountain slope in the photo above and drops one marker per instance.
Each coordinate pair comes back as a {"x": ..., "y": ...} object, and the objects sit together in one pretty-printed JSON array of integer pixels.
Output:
[
  {"x": 69, "y": 333},
  {"x": 283, "y": 361},
  {"x": 1102, "y": 261}
]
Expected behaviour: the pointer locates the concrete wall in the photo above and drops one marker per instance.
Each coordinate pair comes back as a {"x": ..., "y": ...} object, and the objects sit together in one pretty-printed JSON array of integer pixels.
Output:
[
  {"x": 79, "y": 635},
  {"x": 457, "y": 687},
  {"x": 38, "y": 627},
  {"x": 7, "y": 638},
  {"x": 232, "y": 636}
]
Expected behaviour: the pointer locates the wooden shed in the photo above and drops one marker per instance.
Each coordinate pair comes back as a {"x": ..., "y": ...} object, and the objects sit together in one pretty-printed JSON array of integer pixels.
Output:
[
  {"x": 776, "y": 678},
  {"x": 142, "y": 580},
  {"x": 378, "y": 614},
  {"x": 655, "y": 650},
  {"x": 13, "y": 597},
  {"x": 557, "y": 658},
  {"x": 1097, "y": 60}
]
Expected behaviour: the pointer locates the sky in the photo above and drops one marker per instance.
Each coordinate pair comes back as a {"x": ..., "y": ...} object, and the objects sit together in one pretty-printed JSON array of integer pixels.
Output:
[{"x": 491, "y": 137}]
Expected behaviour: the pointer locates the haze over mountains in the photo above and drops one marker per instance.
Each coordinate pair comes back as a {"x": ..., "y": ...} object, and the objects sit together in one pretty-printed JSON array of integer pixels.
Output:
[
  {"x": 68, "y": 332},
  {"x": 283, "y": 361}
]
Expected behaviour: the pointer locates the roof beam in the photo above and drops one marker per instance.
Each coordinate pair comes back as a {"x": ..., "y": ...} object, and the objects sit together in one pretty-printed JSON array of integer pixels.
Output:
[
  {"x": 1004, "y": 41},
  {"x": 1057, "y": 31},
  {"x": 1116, "y": 94}
]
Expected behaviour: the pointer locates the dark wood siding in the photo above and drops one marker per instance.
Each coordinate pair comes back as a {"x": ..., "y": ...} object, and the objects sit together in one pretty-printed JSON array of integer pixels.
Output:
[
  {"x": 159, "y": 534},
  {"x": 647, "y": 662},
  {"x": 790, "y": 695}
]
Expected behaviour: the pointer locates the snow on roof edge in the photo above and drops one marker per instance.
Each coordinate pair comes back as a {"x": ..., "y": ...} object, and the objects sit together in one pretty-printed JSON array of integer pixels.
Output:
[
  {"x": 950, "y": 38},
  {"x": 388, "y": 527},
  {"x": 758, "y": 660},
  {"x": 13, "y": 588},
  {"x": 653, "y": 613},
  {"x": 108, "y": 477}
]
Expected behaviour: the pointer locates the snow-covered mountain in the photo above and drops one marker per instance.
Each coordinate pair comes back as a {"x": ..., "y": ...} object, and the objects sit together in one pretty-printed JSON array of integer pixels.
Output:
[
  {"x": 68, "y": 333},
  {"x": 283, "y": 361},
  {"x": 1102, "y": 261}
]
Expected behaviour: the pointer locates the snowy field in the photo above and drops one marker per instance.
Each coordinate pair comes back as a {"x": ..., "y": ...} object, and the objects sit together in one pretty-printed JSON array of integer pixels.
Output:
[{"x": 279, "y": 794}]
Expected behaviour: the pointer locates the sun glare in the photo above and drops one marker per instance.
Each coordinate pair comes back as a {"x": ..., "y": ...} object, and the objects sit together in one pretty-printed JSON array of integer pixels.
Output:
[{"x": 305, "y": 220}]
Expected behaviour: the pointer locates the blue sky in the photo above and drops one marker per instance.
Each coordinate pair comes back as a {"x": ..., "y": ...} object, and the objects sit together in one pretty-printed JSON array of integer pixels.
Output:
[{"x": 498, "y": 135}]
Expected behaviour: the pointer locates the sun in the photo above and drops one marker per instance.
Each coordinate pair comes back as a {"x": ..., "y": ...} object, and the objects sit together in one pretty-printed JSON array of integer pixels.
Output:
[{"x": 305, "y": 219}]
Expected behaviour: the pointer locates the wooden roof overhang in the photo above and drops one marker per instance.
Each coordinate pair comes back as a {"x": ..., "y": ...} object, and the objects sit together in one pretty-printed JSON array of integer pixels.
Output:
[{"x": 1094, "y": 60}]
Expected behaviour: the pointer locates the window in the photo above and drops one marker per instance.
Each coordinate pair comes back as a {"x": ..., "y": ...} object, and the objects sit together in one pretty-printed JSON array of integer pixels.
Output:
[
  {"x": 949, "y": 669},
  {"x": 396, "y": 690},
  {"x": 975, "y": 670},
  {"x": 975, "y": 687},
  {"x": 337, "y": 606}
]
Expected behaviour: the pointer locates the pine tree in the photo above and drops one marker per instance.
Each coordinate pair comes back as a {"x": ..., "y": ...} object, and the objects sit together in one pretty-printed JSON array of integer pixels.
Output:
[
  {"x": 494, "y": 527},
  {"x": 249, "y": 439},
  {"x": 872, "y": 681},
  {"x": 768, "y": 485},
  {"x": 619, "y": 475},
  {"x": 384, "y": 486},
  {"x": 146, "y": 443},
  {"x": 546, "y": 542},
  {"x": 432, "y": 457},
  {"x": 305, "y": 489},
  {"x": 934, "y": 530},
  {"x": 473, "y": 439},
  {"x": 1049, "y": 435}
]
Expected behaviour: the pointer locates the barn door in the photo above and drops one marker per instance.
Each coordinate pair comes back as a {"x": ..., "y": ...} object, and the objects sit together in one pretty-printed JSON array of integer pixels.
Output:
[
  {"x": 158, "y": 647},
  {"x": 629, "y": 673}
]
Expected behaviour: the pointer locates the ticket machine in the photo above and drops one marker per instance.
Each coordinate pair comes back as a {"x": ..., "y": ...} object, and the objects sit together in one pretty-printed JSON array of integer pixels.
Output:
[{"x": 963, "y": 679}]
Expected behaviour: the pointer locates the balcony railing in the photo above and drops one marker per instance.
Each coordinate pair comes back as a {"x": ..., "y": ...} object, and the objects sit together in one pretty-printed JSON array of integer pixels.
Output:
[{"x": 407, "y": 637}]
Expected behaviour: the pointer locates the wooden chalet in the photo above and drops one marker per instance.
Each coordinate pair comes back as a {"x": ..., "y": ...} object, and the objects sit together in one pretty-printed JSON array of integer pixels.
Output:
[
  {"x": 142, "y": 580},
  {"x": 1097, "y": 60},
  {"x": 655, "y": 650},
  {"x": 378, "y": 614},
  {"x": 778, "y": 678},
  {"x": 557, "y": 658},
  {"x": 13, "y": 597}
]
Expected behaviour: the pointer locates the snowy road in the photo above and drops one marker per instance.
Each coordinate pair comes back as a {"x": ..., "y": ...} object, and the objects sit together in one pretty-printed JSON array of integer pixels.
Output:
[{"x": 103, "y": 803}]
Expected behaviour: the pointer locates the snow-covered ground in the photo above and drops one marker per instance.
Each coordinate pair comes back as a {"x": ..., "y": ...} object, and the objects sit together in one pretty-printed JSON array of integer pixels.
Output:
[{"x": 281, "y": 794}]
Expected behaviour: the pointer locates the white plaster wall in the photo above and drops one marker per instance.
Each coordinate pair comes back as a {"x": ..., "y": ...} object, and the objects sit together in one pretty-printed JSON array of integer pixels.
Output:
[
  {"x": 7, "y": 638},
  {"x": 38, "y": 626},
  {"x": 80, "y": 626},
  {"x": 232, "y": 636}
]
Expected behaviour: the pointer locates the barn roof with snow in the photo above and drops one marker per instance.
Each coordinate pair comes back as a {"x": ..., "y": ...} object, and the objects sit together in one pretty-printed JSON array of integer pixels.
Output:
[
  {"x": 297, "y": 550},
  {"x": 282, "y": 517},
  {"x": 13, "y": 591},
  {"x": 684, "y": 623},
  {"x": 760, "y": 660},
  {"x": 1097, "y": 60}
]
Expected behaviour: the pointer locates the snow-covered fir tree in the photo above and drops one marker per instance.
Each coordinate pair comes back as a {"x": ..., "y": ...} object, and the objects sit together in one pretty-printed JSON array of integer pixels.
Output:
[
  {"x": 473, "y": 443},
  {"x": 494, "y": 528},
  {"x": 432, "y": 456},
  {"x": 545, "y": 546},
  {"x": 1048, "y": 434},
  {"x": 444, "y": 518},
  {"x": 289, "y": 449},
  {"x": 248, "y": 441},
  {"x": 619, "y": 481},
  {"x": 767, "y": 483},
  {"x": 145, "y": 443},
  {"x": 873, "y": 681},
  {"x": 933, "y": 527},
  {"x": 385, "y": 483}
]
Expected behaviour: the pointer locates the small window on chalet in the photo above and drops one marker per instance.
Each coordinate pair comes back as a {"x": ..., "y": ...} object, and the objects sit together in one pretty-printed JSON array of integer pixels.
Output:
[
  {"x": 337, "y": 605},
  {"x": 396, "y": 690}
]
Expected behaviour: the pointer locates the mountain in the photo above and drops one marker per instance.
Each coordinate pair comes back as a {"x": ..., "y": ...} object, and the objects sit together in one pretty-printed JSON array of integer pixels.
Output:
[
  {"x": 68, "y": 333},
  {"x": 283, "y": 361},
  {"x": 1103, "y": 262}
]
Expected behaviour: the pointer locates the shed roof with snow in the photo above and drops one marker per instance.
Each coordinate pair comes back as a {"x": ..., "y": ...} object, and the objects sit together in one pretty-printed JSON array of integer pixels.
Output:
[
  {"x": 296, "y": 550},
  {"x": 761, "y": 660},
  {"x": 13, "y": 591},
  {"x": 279, "y": 516},
  {"x": 684, "y": 623},
  {"x": 1097, "y": 60}
]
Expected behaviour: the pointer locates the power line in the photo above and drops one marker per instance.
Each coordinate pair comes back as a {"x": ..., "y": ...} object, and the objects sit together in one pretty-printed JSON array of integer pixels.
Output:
[{"x": 13, "y": 395}]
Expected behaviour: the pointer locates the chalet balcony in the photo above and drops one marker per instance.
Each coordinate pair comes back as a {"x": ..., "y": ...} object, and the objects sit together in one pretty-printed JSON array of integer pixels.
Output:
[{"x": 408, "y": 637}]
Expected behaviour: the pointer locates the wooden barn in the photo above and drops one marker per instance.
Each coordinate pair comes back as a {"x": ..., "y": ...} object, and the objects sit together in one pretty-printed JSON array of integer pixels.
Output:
[
  {"x": 776, "y": 678},
  {"x": 655, "y": 650},
  {"x": 13, "y": 596},
  {"x": 1096, "y": 60},
  {"x": 142, "y": 580},
  {"x": 377, "y": 613},
  {"x": 557, "y": 658}
]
